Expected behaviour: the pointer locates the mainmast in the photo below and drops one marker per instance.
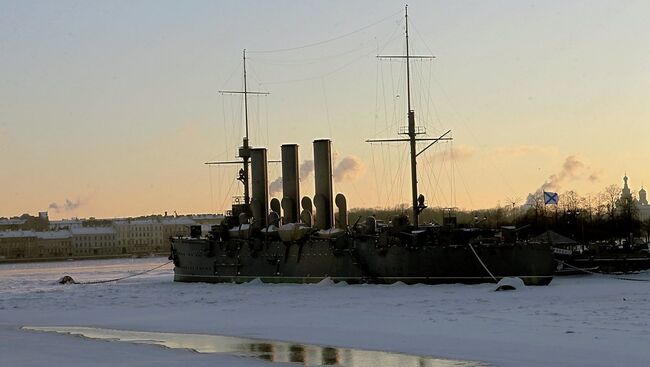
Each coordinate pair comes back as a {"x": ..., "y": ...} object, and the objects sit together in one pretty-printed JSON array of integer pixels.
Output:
[
  {"x": 412, "y": 131},
  {"x": 245, "y": 149},
  {"x": 411, "y": 128}
]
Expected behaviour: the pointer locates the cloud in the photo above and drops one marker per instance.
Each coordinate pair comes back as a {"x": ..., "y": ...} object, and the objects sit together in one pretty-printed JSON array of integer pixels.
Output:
[
  {"x": 348, "y": 169},
  {"x": 462, "y": 152},
  {"x": 67, "y": 205},
  {"x": 189, "y": 129},
  {"x": 275, "y": 187},
  {"x": 456, "y": 153}
]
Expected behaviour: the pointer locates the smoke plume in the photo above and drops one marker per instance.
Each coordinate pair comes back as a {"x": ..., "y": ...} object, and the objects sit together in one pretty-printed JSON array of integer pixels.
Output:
[
  {"x": 573, "y": 169},
  {"x": 68, "y": 205},
  {"x": 348, "y": 169},
  {"x": 306, "y": 168},
  {"x": 275, "y": 187}
]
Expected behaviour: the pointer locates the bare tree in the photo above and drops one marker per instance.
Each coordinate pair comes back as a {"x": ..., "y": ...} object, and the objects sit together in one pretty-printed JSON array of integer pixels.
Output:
[{"x": 611, "y": 194}]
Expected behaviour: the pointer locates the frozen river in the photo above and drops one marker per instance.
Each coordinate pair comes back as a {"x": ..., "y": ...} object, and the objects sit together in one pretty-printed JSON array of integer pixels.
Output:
[{"x": 575, "y": 321}]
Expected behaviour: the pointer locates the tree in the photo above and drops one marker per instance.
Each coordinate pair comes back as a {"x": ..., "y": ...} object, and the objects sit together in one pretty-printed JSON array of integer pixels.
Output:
[{"x": 611, "y": 195}]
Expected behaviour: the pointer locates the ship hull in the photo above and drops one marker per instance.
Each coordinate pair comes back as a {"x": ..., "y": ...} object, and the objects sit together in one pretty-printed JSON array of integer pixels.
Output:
[{"x": 356, "y": 261}]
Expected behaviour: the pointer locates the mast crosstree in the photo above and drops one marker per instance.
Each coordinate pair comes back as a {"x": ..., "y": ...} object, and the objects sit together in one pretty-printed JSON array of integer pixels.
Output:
[{"x": 412, "y": 131}]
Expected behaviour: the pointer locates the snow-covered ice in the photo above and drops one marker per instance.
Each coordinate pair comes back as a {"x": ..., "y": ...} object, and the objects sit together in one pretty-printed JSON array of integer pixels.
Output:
[{"x": 575, "y": 321}]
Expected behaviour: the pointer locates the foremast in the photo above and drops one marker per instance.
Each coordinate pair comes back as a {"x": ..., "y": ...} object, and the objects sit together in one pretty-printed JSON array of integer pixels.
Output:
[
  {"x": 412, "y": 131},
  {"x": 245, "y": 150}
]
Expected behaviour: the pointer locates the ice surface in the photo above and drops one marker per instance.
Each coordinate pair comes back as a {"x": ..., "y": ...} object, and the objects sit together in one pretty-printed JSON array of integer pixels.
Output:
[{"x": 575, "y": 321}]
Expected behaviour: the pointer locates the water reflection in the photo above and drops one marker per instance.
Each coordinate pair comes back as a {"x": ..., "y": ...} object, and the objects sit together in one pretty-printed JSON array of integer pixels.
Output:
[{"x": 271, "y": 351}]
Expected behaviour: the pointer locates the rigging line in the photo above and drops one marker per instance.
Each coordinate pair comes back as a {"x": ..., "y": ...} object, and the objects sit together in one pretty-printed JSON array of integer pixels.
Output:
[
  {"x": 374, "y": 172},
  {"x": 424, "y": 42},
  {"x": 266, "y": 108},
  {"x": 433, "y": 102},
  {"x": 323, "y": 75},
  {"x": 226, "y": 128},
  {"x": 254, "y": 74},
  {"x": 601, "y": 274},
  {"x": 436, "y": 178},
  {"x": 482, "y": 264},
  {"x": 432, "y": 178},
  {"x": 426, "y": 168},
  {"x": 223, "y": 203},
  {"x": 258, "y": 121},
  {"x": 417, "y": 31},
  {"x": 396, "y": 181},
  {"x": 327, "y": 110},
  {"x": 405, "y": 153},
  {"x": 452, "y": 163},
  {"x": 464, "y": 182},
  {"x": 375, "y": 118},
  {"x": 443, "y": 197},
  {"x": 212, "y": 202},
  {"x": 436, "y": 183},
  {"x": 320, "y": 76},
  {"x": 232, "y": 73},
  {"x": 328, "y": 40},
  {"x": 310, "y": 61}
]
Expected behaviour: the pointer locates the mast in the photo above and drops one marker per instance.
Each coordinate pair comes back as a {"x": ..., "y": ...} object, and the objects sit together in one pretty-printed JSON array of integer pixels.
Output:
[
  {"x": 412, "y": 131},
  {"x": 245, "y": 150},
  {"x": 245, "y": 100},
  {"x": 411, "y": 127}
]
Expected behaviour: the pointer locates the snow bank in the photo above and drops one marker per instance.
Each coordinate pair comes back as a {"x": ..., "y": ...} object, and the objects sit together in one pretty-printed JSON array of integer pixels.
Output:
[{"x": 575, "y": 321}]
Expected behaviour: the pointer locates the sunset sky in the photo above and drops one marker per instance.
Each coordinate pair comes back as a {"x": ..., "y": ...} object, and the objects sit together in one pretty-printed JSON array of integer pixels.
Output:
[{"x": 110, "y": 108}]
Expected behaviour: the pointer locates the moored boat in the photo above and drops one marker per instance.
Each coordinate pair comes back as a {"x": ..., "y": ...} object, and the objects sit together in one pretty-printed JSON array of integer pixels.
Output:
[{"x": 295, "y": 242}]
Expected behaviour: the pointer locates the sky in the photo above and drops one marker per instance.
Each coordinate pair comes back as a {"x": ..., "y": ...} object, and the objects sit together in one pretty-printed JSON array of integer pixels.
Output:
[{"x": 110, "y": 109}]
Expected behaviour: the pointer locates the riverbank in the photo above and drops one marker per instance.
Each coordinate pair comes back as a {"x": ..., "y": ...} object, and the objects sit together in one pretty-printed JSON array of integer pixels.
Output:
[{"x": 77, "y": 258}]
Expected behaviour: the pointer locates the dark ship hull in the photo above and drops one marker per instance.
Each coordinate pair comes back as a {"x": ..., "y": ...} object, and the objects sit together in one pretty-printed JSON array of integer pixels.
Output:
[{"x": 356, "y": 260}]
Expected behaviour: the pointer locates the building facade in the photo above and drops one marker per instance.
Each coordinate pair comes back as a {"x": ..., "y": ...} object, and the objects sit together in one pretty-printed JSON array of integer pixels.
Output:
[
  {"x": 74, "y": 238},
  {"x": 640, "y": 204}
]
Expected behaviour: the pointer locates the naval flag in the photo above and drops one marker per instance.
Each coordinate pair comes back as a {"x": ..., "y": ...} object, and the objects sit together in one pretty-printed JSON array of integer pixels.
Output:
[{"x": 551, "y": 198}]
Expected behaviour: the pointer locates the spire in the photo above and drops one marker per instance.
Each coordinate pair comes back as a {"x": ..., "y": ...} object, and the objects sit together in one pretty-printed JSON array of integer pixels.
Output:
[
  {"x": 626, "y": 193},
  {"x": 643, "y": 200}
]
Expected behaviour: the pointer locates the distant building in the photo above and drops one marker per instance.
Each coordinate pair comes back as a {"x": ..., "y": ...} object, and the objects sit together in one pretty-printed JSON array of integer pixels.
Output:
[
  {"x": 16, "y": 244},
  {"x": 94, "y": 241},
  {"x": 140, "y": 236},
  {"x": 56, "y": 225},
  {"x": 176, "y": 226},
  {"x": 74, "y": 238},
  {"x": 53, "y": 244},
  {"x": 12, "y": 224},
  {"x": 641, "y": 204}
]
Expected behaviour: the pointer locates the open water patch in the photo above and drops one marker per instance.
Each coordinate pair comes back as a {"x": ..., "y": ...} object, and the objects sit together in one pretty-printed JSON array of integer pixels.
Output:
[{"x": 267, "y": 350}]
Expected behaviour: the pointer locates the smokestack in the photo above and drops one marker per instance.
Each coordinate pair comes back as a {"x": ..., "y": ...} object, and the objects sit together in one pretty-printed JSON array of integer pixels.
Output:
[
  {"x": 342, "y": 218},
  {"x": 290, "y": 183},
  {"x": 323, "y": 183},
  {"x": 259, "y": 186}
]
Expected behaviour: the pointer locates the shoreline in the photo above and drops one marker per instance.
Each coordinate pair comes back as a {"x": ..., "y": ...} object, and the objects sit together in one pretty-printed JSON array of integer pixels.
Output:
[{"x": 79, "y": 258}]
